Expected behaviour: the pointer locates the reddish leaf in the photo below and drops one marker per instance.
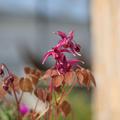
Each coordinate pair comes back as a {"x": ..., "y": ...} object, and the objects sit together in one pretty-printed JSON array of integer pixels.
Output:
[
  {"x": 34, "y": 79},
  {"x": 2, "y": 92},
  {"x": 69, "y": 77},
  {"x": 80, "y": 76},
  {"x": 16, "y": 83},
  {"x": 47, "y": 74},
  {"x": 91, "y": 77},
  {"x": 33, "y": 74},
  {"x": 58, "y": 89},
  {"x": 57, "y": 80},
  {"x": 27, "y": 70},
  {"x": 38, "y": 73},
  {"x": 65, "y": 108},
  {"x": 41, "y": 94},
  {"x": 49, "y": 97},
  {"x": 54, "y": 73},
  {"x": 85, "y": 77},
  {"x": 26, "y": 85}
]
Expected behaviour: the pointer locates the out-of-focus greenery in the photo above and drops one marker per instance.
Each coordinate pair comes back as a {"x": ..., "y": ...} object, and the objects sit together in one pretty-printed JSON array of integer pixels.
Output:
[
  {"x": 79, "y": 100},
  {"x": 7, "y": 112}
]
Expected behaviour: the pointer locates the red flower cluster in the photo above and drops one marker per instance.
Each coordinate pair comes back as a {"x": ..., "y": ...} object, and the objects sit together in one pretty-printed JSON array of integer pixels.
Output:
[
  {"x": 63, "y": 72},
  {"x": 65, "y": 45}
]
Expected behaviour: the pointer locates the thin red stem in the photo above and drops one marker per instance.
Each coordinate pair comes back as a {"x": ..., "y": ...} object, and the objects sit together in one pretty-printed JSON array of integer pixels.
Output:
[
  {"x": 64, "y": 94},
  {"x": 17, "y": 102},
  {"x": 21, "y": 97}
]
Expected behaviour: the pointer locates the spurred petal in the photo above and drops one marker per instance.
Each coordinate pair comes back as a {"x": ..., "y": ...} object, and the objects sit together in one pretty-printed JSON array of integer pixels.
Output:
[
  {"x": 71, "y": 35},
  {"x": 74, "y": 61},
  {"x": 65, "y": 50},
  {"x": 45, "y": 57},
  {"x": 61, "y": 34}
]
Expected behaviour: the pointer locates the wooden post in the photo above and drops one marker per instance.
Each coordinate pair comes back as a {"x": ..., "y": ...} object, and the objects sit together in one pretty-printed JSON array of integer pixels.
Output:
[{"x": 106, "y": 58}]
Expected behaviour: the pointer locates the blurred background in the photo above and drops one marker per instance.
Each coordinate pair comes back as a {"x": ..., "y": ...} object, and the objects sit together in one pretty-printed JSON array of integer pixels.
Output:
[
  {"x": 26, "y": 32},
  {"x": 28, "y": 26}
]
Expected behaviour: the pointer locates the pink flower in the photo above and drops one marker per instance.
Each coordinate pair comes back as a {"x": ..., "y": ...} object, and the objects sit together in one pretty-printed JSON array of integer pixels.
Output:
[
  {"x": 55, "y": 53},
  {"x": 24, "y": 109},
  {"x": 68, "y": 42},
  {"x": 65, "y": 45}
]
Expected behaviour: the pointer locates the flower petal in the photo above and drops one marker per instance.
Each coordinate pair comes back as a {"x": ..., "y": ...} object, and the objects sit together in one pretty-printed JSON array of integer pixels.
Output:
[
  {"x": 45, "y": 57},
  {"x": 61, "y": 34}
]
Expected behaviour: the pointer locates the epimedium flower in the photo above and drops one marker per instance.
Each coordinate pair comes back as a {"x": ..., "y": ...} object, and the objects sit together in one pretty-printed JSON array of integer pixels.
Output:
[
  {"x": 65, "y": 45},
  {"x": 56, "y": 53},
  {"x": 65, "y": 70},
  {"x": 65, "y": 65},
  {"x": 67, "y": 41},
  {"x": 62, "y": 65}
]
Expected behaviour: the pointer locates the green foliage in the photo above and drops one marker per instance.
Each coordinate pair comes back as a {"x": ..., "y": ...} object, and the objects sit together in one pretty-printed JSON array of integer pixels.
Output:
[
  {"x": 6, "y": 113},
  {"x": 79, "y": 99},
  {"x": 80, "y": 102}
]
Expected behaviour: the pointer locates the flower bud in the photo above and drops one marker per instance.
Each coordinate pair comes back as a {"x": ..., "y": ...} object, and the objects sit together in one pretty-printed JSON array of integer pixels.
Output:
[{"x": 5, "y": 87}]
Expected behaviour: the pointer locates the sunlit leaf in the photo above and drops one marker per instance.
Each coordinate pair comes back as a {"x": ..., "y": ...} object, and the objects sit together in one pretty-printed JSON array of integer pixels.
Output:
[
  {"x": 69, "y": 77},
  {"x": 80, "y": 76},
  {"x": 16, "y": 83},
  {"x": 2, "y": 92},
  {"x": 26, "y": 85},
  {"x": 65, "y": 108},
  {"x": 27, "y": 70},
  {"x": 57, "y": 80},
  {"x": 41, "y": 94},
  {"x": 91, "y": 77},
  {"x": 34, "y": 79}
]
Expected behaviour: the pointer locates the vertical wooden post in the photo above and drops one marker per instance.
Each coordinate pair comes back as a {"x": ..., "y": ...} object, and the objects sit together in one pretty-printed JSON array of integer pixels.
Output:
[{"x": 106, "y": 58}]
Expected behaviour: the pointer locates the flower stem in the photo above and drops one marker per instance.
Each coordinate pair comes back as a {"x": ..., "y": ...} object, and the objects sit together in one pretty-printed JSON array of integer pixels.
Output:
[
  {"x": 21, "y": 97},
  {"x": 17, "y": 102}
]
